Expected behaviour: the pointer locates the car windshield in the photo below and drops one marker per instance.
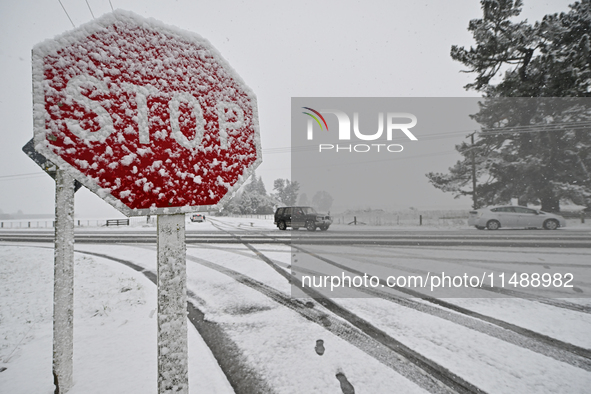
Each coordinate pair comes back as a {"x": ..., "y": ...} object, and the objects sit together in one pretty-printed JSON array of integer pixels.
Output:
[{"x": 308, "y": 210}]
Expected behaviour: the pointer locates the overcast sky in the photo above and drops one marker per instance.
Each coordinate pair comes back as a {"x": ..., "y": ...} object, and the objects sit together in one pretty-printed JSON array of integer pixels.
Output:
[{"x": 371, "y": 48}]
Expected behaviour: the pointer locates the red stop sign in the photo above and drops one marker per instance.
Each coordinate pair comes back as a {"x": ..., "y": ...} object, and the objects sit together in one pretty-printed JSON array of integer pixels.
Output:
[{"x": 149, "y": 117}]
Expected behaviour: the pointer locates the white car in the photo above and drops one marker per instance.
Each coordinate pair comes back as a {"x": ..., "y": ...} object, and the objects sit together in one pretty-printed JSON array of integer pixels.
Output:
[
  {"x": 514, "y": 216},
  {"x": 197, "y": 217}
]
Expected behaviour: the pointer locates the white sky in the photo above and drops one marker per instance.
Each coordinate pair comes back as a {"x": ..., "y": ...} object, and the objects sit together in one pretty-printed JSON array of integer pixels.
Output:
[{"x": 386, "y": 48}]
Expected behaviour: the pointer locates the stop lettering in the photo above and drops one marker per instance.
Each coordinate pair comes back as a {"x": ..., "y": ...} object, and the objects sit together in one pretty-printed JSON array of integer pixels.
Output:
[{"x": 149, "y": 117}]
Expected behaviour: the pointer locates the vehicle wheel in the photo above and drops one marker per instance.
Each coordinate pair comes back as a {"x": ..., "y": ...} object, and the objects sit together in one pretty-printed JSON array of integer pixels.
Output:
[
  {"x": 281, "y": 225},
  {"x": 551, "y": 224},
  {"x": 493, "y": 225},
  {"x": 310, "y": 226},
  {"x": 479, "y": 227},
  {"x": 323, "y": 228}
]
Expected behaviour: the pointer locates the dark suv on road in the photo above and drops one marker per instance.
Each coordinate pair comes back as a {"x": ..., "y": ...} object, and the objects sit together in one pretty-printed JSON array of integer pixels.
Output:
[{"x": 296, "y": 217}]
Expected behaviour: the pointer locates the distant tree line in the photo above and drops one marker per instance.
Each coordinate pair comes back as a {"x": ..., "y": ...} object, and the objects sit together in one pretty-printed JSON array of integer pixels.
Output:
[{"x": 253, "y": 198}]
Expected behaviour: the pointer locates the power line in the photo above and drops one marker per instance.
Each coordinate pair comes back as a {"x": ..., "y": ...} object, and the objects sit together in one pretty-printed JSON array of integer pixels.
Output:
[
  {"x": 21, "y": 176},
  {"x": 111, "y": 5},
  {"x": 64, "y": 8},
  {"x": 538, "y": 128},
  {"x": 18, "y": 175},
  {"x": 304, "y": 148},
  {"x": 90, "y": 9},
  {"x": 37, "y": 174},
  {"x": 535, "y": 128}
]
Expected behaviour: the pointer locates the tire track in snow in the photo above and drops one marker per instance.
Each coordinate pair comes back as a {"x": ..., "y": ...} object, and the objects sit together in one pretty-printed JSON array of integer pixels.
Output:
[
  {"x": 508, "y": 292},
  {"x": 529, "y": 339},
  {"x": 582, "y": 352},
  {"x": 424, "y": 364},
  {"x": 350, "y": 333},
  {"x": 477, "y": 324},
  {"x": 384, "y": 353},
  {"x": 242, "y": 378}
]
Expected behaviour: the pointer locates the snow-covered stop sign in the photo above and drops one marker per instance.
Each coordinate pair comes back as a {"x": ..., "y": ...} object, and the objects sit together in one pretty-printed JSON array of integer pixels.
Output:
[{"x": 149, "y": 117}]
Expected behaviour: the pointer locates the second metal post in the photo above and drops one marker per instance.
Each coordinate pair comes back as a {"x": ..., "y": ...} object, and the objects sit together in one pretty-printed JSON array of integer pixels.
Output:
[
  {"x": 63, "y": 286},
  {"x": 172, "y": 305}
]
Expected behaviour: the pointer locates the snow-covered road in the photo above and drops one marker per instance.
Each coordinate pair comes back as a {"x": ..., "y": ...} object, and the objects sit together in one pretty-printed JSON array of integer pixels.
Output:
[{"x": 492, "y": 344}]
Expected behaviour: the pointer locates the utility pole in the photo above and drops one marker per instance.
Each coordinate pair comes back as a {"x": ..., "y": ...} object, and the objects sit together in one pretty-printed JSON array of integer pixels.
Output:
[{"x": 474, "y": 197}]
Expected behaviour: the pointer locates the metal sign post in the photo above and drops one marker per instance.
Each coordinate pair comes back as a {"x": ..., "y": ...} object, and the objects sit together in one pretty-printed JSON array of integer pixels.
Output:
[
  {"x": 172, "y": 305},
  {"x": 63, "y": 276},
  {"x": 63, "y": 283}
]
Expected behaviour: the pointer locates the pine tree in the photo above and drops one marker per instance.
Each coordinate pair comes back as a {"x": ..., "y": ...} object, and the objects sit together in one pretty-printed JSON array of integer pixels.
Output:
[
  {"x": 551, "y": 58},
  {"x": 286, "y": 191},
  {"x": 255, "y": 199},
  {"x": 260, "y": 187}
]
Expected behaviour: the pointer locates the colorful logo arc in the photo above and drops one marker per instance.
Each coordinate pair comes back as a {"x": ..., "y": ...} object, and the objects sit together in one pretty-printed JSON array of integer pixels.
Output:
[{"x": 315, "y": 118}]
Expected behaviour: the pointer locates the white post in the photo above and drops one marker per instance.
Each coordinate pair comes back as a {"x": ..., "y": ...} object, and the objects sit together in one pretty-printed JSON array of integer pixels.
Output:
[
  {"x": 172, "y": 305},
  {"x": 63, "y": 283}
]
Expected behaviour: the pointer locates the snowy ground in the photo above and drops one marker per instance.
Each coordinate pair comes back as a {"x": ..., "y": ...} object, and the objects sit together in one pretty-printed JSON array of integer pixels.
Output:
[
  {"x": 115, "y": 326},
  {"x": 114, "y": 333}
]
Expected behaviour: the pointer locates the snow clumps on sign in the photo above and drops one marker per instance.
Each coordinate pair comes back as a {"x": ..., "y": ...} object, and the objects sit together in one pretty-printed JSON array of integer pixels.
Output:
[{"x": 146, "y": 115}]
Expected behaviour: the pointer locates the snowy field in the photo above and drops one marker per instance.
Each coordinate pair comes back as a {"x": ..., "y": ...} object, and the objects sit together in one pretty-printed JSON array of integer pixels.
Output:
[{"x": 273, "y": 339}]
